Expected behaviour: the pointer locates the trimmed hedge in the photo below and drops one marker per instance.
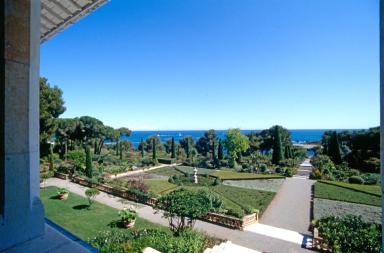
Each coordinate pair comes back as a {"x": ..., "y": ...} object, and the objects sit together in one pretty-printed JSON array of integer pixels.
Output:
[{"x": 166, "y": 161}]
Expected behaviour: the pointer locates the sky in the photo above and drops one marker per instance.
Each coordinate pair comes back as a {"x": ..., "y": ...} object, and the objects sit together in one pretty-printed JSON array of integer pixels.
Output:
[{"x": 202, "y": 64}]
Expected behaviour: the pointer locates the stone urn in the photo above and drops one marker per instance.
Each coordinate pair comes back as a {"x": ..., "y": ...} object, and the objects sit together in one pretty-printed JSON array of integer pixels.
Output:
[
  {"x": 129, "y": 223},
  {"x": 63, "y": 195}
]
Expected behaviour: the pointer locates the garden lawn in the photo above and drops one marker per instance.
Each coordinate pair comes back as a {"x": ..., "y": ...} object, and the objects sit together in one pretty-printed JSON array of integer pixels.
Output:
[
  {"x": 73, "y": 215},
  {"x": 246, "y": 198},
  {"x": 334, "y": 192},
  {"x": 371, "y": 189},
  {"x": 159, "y": 186},
  {"x": 271, "y": 185},
  {"x": 166, "y": 171},
  {"x": 233, "y": 175}
]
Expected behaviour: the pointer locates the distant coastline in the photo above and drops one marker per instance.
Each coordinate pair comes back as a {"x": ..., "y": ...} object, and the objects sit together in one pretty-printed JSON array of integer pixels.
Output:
[{"x": 297, "y": 135}]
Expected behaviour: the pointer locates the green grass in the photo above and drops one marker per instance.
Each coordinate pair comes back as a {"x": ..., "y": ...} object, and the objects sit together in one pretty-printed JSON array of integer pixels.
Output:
[
  {"x": 73, "y": 216},
  {"x": 246, "y": 197},
  {"x": 334, "y": 192},
  {"x": 159, "y": 186},
  {"x": 165, "y": 171},
  {"x": 370, "y": 189},
  {"x": 233, "y": 175}
]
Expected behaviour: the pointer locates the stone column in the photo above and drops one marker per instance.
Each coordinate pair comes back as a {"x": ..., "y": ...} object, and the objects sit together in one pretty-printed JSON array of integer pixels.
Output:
[
  {"x": 382, "y": 110},
  {"x": 22, "y": 214}
]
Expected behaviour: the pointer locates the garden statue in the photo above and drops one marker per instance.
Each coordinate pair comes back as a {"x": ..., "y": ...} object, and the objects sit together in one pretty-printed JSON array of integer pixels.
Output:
[{"x": 195, "y": 175}]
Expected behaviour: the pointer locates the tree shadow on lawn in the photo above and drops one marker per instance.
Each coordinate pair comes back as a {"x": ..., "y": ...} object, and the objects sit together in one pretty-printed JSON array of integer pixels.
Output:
[{"x": 81, "y": 207}]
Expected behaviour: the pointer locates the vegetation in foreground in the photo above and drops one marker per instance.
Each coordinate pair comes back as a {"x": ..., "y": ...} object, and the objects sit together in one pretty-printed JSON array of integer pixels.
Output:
[
  {"x": 350, "y": 234},
  {"x": 99, "y": 226}
]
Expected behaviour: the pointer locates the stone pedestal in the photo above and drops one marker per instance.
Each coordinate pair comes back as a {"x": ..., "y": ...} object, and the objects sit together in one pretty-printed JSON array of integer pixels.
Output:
[{"x": 21, "y": 211}]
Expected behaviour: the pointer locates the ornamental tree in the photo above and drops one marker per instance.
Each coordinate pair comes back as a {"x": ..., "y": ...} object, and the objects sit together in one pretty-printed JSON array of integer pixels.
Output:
[
  {"x": 182, "y": 207},
  {"x": 235, "y": 143},
  {"x": 277, "y": 154}
]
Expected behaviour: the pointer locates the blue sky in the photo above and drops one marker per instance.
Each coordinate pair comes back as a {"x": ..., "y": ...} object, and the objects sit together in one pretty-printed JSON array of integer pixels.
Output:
[{"x": 200, "y": 64}]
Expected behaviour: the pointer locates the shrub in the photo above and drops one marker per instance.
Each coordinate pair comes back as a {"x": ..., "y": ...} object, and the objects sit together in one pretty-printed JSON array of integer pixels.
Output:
[
  {"x": 288, "y": 172},
  {"x": 139, "y": 195},
  {"x": 263, "y": 168},
  {"x": 350, "y": 234},
  {"x": 356, "y": 180},
  {"x": 371, "y": 179},
  {"x": 138, "y": 184},
  {"x": 91, "y": 195},
  {"x": 77, "y": 157},
  {"x": 116, "y": 241},
  {"x": 316, "y": 174},
  {"x": 127, "y": 215},
  {"x": 166, "y": 161},
  {"x": 182, "y": 207},
  {"x": 217, "y": 181},
  {"x": 146, "y": 162},
  {"x": 62, "y": 191},
  {"x": 239, "y": 213}
]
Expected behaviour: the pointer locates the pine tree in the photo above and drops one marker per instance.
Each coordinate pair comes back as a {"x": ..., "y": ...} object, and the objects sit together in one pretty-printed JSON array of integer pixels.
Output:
[
  {"x": 334, "y": 148},
  {"x": 117, "y": 147},
  {"x": 154, "y": 155},
  {"x": 88, "y": 162},
  {"x": 142, "y": 148},
  {"x": 173, "y": 150},
  {"x": 220, "y": 151},
  {"x": 277, "y": 154}
]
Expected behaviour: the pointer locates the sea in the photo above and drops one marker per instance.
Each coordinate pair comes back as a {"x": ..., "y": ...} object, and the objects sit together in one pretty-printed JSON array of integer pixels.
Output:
[{"x": 297, "y": 136}]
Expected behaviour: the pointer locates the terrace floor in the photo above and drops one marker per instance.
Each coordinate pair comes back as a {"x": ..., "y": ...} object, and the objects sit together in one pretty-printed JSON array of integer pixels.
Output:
[{"x": 53, "y": 241}]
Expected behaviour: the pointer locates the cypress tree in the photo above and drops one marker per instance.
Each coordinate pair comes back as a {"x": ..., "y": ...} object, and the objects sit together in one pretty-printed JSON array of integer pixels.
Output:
[
  {"x": 94, "y": 147},
  {"x": 173, "y": 150},
  {"x": 188, "y": 148},
  {"x": 117, "y": 148},
  {"x": 154, "y": 155},
  {"x": 334, "y": 148},
  {"x": 288, "y": 152},
  {"x": 50, "y": 157},
  {"x": 214, "y": 151},
  {"x": 142, "y": 148},
  {"x": 220, "y": 151},
  {"x": 121, "y": 151},
  {"x": 277, "y": 154},
  {"x": 88, "y": 162}
]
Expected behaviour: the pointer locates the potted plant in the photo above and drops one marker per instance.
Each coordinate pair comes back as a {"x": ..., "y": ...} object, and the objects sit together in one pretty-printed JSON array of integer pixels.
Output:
[
  {"x": 62, "y": 193},
  {"x": 128, "y": 217}
]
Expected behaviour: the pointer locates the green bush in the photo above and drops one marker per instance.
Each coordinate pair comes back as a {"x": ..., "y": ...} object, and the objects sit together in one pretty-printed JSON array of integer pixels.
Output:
[
  {"x": 288, "y": 172},
  {"x": 166, "y": 161},
  {"x": 217, "y": 181},
  {"x": 371, "y": 179},
  {"x": 356, "y": 180},
  {"x": 316, "y": 174},
  {"x": 91, "y": 194},
  {"x": 77, "y": 157},
  {"x": 135, "y": 241},
  {"x": 350, "y": 234}
]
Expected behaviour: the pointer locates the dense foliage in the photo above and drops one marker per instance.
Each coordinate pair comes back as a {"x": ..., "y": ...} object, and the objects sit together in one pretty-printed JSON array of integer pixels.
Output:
[
  {"x": 182, "y": 207},
  {"x": 51, "y": 107},
  {"x": 350, "y": 234},
  {"x": 116, "y": 241}
]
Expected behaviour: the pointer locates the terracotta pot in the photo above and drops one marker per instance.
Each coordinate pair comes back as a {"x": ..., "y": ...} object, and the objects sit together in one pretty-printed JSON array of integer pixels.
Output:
[
  {"x": 63, "y": 196},
  {"x": 129, "y": 224}
]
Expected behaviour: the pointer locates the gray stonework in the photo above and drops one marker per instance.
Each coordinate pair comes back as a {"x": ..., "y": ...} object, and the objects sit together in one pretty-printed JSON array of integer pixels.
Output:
[{"x": 22, "y": 217}]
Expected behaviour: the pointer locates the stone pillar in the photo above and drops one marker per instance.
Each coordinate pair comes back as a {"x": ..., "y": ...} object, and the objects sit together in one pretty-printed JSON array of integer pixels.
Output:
[
  {"x": 382, "y": 110},
  {"x": 22, "y": 214}
]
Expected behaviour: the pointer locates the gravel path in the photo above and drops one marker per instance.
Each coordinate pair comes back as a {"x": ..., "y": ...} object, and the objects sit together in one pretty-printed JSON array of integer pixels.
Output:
[
  {"x": 247, "y": 239},
  {"x": 291, "y": 207}
]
